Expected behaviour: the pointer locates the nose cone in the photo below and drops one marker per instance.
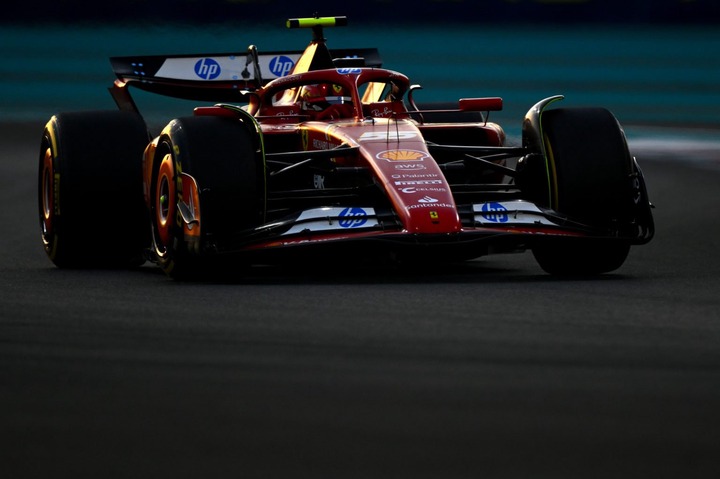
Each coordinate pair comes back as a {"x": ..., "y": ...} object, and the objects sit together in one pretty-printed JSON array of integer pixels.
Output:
[{"x": 418, "y": 189}]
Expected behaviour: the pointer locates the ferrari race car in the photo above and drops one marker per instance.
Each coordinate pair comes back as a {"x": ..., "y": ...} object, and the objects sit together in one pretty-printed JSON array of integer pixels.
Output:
[{"x": 325, "y": 152}]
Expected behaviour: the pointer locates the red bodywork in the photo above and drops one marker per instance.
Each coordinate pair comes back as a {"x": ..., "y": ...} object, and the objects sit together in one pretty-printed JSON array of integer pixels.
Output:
[{"x": 390, "y": 143}]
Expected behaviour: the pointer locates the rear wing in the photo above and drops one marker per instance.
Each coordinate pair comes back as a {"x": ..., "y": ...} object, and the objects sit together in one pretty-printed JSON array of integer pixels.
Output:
[{"x": 222, "y": 77}]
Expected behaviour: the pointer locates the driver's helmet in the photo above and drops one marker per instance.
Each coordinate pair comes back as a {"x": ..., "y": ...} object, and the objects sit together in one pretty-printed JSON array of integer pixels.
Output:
[{"x": 319, "y": 97}]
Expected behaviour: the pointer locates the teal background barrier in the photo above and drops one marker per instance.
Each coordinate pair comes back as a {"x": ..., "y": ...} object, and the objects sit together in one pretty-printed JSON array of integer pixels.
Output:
[{"x": 650, "y": 75}]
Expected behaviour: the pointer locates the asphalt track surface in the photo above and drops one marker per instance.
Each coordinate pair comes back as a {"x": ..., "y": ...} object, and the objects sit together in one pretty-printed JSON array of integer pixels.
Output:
[{"x": 492, "y": 369}]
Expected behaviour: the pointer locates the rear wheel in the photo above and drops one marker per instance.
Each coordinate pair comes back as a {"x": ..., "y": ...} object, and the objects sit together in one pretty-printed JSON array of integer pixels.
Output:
[
  {"x": 90, "y": 198},
  {"x": 590, "y": 176},
  {"x": 211, "y": 168}
]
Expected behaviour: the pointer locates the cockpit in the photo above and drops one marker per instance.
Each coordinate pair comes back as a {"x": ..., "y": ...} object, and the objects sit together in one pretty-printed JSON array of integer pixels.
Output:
[{"x": 334, "y": 94}]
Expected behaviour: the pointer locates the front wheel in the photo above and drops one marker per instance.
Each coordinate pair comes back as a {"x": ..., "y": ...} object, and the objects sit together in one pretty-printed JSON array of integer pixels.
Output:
[
  {"x": 591, "y": 180},
  {"x": 208, "y": 184}
]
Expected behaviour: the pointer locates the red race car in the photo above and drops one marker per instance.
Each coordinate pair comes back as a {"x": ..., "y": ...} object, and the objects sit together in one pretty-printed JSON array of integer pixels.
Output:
[{"x": 325, "y": 152}]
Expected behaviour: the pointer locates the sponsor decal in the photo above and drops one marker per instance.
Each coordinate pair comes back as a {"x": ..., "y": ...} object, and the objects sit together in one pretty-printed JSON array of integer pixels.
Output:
[
  {"x": 319, "y": 182},
  {"x": 385, "y": 112},
  {"x": 391, "y": 135},
  {"x": 418, "y": 182},
  {"x": 434, "y": 215},
  {"x": 333, "y": 219},
  {"x": 305, "y": 139},
  {"x": 430, "y": 205},
  {"x": 428, "y": 199},
  {"x": 323, "y": 145},
  {"x": 401, "y": 155},
  {"x": 348, "y": 71},
  {"x": 637, "y": 189},
  {"x": 511, "y": 212},
  {"x": 207, "y": 69},
  {"x": 352, "y": 217},
  {"x": 420, "y": 175},
  {"x": 494, "y": 212},
  {"x": 416, "y": 189},
  {"x": 281, "y": 65},
  {"x": 410, "y": 166}
]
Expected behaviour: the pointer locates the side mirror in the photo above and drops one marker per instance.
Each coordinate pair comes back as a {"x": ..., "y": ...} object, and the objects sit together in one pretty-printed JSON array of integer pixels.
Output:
[{"x": 480, "y": 104}]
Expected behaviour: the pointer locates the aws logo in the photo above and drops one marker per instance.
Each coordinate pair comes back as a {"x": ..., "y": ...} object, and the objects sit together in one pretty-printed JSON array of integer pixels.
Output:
[{"x": 401, "y": 155}]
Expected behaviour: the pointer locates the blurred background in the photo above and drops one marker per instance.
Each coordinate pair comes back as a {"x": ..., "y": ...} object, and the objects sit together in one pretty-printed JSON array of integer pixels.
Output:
[{"x": 655, "y": 64}]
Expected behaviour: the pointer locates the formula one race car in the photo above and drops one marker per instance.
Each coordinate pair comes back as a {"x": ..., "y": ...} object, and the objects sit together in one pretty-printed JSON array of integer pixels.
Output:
[{"x": 325, "y": 152}]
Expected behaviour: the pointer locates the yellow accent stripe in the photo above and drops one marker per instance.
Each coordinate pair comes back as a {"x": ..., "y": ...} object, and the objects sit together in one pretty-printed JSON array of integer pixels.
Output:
[
  {"x": 303, "y": 64},
  {"x": 552, "y": 175},
  {"x": 51, "y": 127},
  {"x": 316, "y": 22}
]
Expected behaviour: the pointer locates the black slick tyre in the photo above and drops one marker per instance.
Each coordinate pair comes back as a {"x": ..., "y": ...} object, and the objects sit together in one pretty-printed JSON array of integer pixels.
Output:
[
  {"x": 223, "y": 158},
  {"x": 90, "y": 198},
  {"x": 590, "y": 171}
]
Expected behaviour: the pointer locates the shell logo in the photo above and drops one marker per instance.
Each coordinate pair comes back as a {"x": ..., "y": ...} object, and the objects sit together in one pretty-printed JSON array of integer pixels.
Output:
[{"x": 402, "y": 155}]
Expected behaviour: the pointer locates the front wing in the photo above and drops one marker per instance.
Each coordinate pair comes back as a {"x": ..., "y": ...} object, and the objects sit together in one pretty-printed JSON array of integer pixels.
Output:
[{"x": 490, "y": 227}]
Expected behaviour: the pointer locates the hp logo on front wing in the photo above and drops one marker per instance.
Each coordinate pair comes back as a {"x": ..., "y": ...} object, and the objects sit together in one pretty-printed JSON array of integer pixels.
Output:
[{"x": 352, "y": 217}]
